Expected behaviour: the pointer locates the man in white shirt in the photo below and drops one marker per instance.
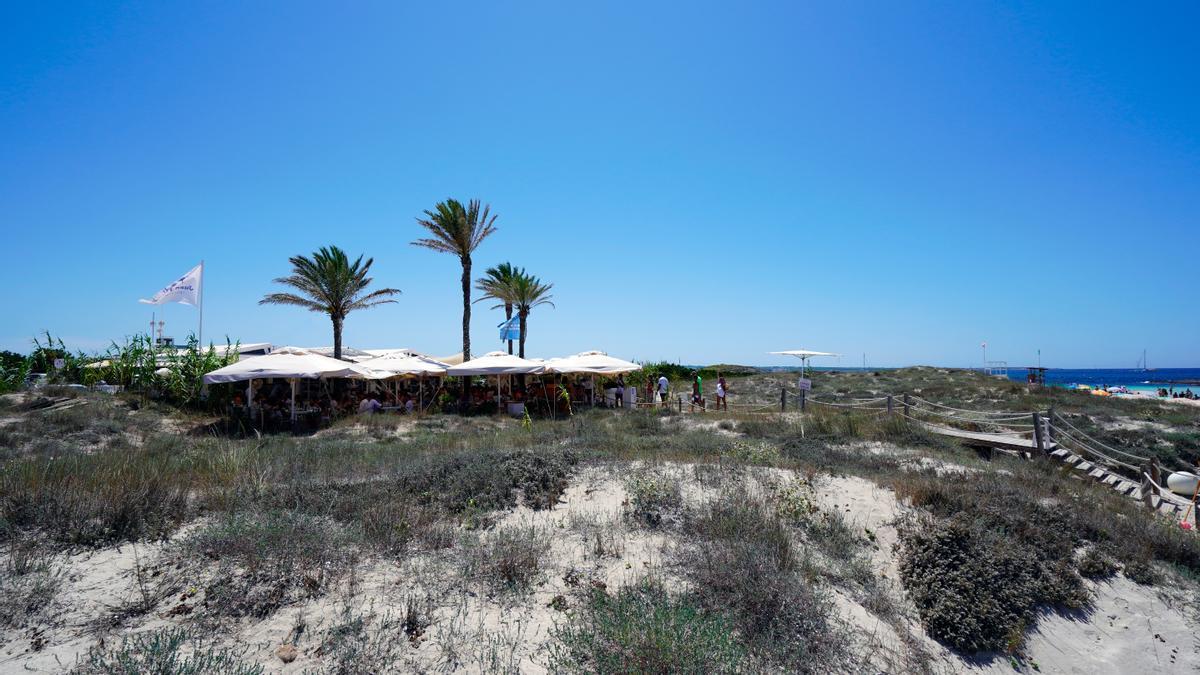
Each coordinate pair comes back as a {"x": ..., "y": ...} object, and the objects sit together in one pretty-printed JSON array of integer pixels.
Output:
[{"x": 664, "y": 386}]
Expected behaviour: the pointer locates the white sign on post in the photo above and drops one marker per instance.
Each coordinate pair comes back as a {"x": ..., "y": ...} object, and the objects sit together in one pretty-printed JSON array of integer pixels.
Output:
[
  {"x": 805, "y": 384},
  {"x": 59, "y": 364}
]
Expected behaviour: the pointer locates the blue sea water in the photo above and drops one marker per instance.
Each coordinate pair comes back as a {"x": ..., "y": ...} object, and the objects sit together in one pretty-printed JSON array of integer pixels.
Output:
[{"x": 1134, "y": 379}]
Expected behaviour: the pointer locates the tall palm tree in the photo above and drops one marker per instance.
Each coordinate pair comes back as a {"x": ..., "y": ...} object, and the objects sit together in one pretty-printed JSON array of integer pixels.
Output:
[
  {"x": 529, "y": 292},
  {"x": 329, "y": 283},
  {"x": 459, "y": 230},
  {"x": 497, "y": 283}
]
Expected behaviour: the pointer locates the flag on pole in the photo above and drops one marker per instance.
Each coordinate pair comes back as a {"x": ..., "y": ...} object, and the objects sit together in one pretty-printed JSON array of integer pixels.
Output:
[
  {"x": 510, "y": 329},
  {"x": 185, "y": 289}
]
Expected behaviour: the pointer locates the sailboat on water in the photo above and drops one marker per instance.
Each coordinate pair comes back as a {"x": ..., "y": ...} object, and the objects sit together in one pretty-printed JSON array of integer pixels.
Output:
[{"x": 1143, "y": 365}]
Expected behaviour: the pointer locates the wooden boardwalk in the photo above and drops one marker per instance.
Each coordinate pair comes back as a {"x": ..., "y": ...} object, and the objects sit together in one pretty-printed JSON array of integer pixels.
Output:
[
  {"x": 1011, "y": 442},
  {"x": 1157, "y": 499}
]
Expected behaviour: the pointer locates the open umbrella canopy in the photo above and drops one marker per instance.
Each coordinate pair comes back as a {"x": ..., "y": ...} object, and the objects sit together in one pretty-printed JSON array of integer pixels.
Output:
[
  {"x": 399, "y": 363},
  {"x": 803, "y": 353},
  {"x": 593, "y": 362},
  {"x": 289, "y": 362},
  {"x": 497, "y": 363},
  {"x": 348, "y": 353}
]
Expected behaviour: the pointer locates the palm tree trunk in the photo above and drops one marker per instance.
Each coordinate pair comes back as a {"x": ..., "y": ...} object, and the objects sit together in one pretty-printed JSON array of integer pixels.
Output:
[
  {"x": 466, "y": 291},
  {"x": 507, "y": 318},
  {"x": 524, "y": 321},
  {"x": 337, "y": 336}
]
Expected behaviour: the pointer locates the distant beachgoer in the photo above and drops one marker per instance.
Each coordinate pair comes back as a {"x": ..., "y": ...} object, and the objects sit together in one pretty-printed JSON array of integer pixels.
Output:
[
  {"x": 697, "y": 391},
  {"x": 664, "y": 387},
  {"x": 721, "y": 391},
  {"x": 620, "y": 391},
  {"x": 369, "y": 406}
]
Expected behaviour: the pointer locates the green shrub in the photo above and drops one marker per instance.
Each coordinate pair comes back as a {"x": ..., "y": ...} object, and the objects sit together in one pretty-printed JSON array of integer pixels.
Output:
[
  {"x": 743, "y": 565},
  {"x": 27, "y": 585},
  {"x": 642, "y": 629},
  {"x": 975, "y": 590},
  {"x": 169, "y": 651},
  {"x": 94, "y": 499},
  {"x": 509, "y": 558},
  {"x": 654, "y": 496},
  {"x": 1096, "y": 564},
  {"x": 354, "y": 645},
  {"x": 268, "y": 560}
]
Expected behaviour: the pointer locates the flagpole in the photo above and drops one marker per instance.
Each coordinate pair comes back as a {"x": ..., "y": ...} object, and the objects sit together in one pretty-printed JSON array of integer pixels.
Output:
[{"x": 200, "y": 337}]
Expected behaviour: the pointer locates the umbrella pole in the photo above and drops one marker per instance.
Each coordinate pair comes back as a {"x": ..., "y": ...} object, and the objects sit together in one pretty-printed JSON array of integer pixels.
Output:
[
  {"x": 293, "y": 399},
  {"x": 421, "y": 393},
  {"x": 593, "y": 391}
]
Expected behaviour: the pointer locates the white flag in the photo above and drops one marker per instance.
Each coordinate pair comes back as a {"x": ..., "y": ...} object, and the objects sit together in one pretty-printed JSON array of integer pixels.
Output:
[{"x": 185, "y": 289}]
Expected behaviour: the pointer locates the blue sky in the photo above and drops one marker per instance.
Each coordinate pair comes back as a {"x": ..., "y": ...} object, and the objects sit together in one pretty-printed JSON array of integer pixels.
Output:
[{"x": 702, "y": 183}]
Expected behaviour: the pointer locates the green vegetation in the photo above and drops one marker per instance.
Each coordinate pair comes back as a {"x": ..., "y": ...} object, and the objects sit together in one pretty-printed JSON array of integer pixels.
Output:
[
  {"x": 643, "y": 629},
  {"x": 458, "y": 230},
  {"x": 330, "y": 284},
  {"x": 169, "y": 651},
  {"x": 747, "y": 581}
]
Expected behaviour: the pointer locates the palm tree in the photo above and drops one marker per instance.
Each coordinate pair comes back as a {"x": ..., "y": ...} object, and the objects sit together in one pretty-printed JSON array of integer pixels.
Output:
[
  {"x": 497, "y": 284},
  {"x": 529, "y": 292},
  {"x": 459, "y": 230},
  {"x": 329, "y": 283}
]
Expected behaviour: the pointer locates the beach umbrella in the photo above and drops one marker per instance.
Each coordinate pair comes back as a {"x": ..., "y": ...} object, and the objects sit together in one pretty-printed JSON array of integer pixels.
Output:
[
  {"x": 497, "y": 363},
  {"x": 593, "y": 363},
  {"x": 289, "y": 363},
  {"x": 804, "y": 355},
  {"x": 407, "y": 364}
]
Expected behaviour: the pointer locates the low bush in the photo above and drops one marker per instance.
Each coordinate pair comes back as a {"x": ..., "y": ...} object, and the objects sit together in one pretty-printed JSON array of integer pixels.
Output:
[
  {"x": 268, "y": 560},
  {"x": 744, "y": 566},
  {"x": 489, "y": 480},
  {"x": 754, "y": 452},
  {"x": 360, "y": 643},
  {"x": 974, "y": 590},
  {"x": 169, "y": 651},
  {"x": 508, "y": 558},
  {"x": 642, "y": 629},
  {"x": 94, "y": 499},
  {"x": 27, "y": 585},
  {"x": 654, "y": 496}
]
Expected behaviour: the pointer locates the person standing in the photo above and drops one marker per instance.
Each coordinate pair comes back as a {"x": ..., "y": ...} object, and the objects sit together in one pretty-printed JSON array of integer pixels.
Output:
[
  {"x": 664, "y": 387},
  {"x": 620, "y": 393},
  {"x": 721, "y": 391},
  {"x": 697, "y": 391}
]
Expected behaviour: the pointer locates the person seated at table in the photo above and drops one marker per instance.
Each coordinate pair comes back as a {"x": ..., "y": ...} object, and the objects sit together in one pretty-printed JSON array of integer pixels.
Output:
[
  {"x": 368, "y": 405},
  {"x": 408, "y": 404}
]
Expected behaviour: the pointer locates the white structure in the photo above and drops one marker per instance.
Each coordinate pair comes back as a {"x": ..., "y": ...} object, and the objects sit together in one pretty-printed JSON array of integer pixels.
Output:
[
  {"x": 593, "y": 362},
  {"x": 288, "y": 363},
  {"x": 496, "y": 363},
  {"x": 804, "y": 355}
]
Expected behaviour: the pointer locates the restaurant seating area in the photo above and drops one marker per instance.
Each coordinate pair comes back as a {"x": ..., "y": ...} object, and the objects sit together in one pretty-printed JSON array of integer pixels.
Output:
[{"x": 301, "y": 389}]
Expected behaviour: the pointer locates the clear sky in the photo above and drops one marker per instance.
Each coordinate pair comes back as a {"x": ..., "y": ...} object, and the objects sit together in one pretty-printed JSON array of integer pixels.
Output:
[{"x": 702, "y": 182}]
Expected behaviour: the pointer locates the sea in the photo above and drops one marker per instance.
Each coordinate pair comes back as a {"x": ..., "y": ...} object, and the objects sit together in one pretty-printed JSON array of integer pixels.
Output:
[{"x": 1134, "y": 379}]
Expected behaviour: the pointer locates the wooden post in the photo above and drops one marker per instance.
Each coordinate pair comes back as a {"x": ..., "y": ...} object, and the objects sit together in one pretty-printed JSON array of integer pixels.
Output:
[
  {"x": 889, "y": 405},
  {"x": 1146, "y": 488},
  {"x": 803, "y": 400},
  {"x": 679, "y": 398},
  {"x": 907, "y": 405},
  {"x": 1154, "y": 471},
  {"x": 1050, "y": 425},
  {"x": 782, "y": 399},
  {"x": 1037, "y": 433}
]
